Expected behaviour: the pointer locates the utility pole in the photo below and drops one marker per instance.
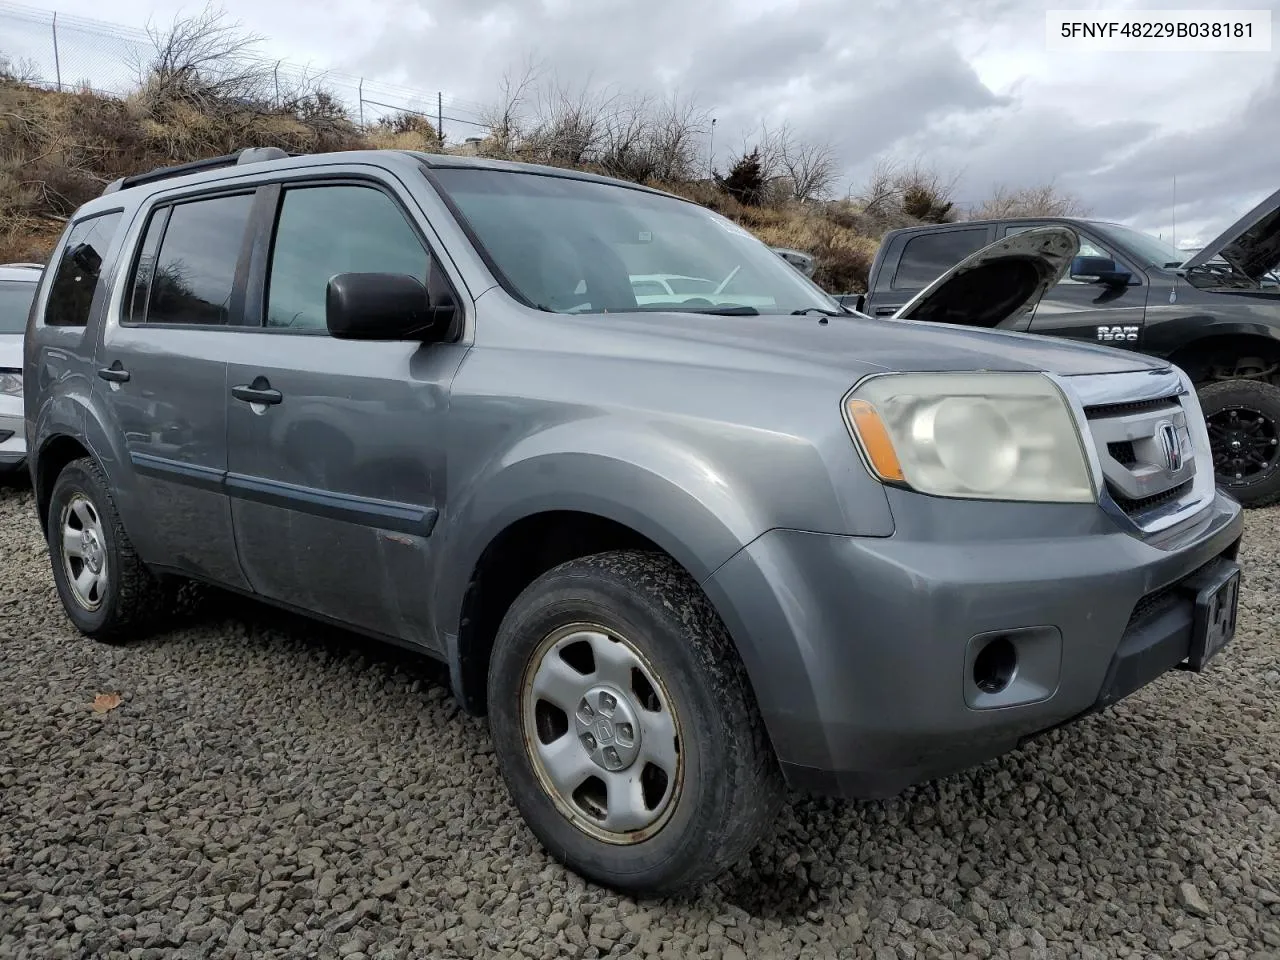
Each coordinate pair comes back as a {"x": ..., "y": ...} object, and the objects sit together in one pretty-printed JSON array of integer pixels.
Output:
[
  {"x": 440, "y": 117},
  {"x": 57, "y": 63},
  {"x": 711, "y": 150},
  {"x": 1175, "y": 211}
]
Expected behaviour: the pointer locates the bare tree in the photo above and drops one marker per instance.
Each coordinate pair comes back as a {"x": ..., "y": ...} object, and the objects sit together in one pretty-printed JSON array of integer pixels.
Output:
[
  {"x": 570, "y": 126},
  {"x": 881, "y": 193},
  {"x": 676, "y": 134},
  {"x": 1044, "y": 200},
  {"x": 792, "y": 168},
  {"x": 204, "y": 59},
  {"x": 811, "y": 168},
  {"x": 24, "y": 71},
  {"x": 505, "y": 117},
  {"x": 626, "y": 138},
  {"x": 898, "y": 194}
]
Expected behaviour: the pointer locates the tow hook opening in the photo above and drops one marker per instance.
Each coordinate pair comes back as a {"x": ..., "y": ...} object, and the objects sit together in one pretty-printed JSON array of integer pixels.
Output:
[{"x": 995, "y": 665}]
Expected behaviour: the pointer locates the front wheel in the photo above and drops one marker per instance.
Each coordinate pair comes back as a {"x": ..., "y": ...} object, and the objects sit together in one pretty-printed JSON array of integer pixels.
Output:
[
  {"x": 624, "y": 726},
  {"x": 1243, "y": 417}
]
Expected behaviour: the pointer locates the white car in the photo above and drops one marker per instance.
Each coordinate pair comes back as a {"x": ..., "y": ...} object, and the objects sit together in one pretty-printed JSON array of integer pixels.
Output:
[
  {"x": 17, "y": 288},
  {"x": 676, "y": 288}
]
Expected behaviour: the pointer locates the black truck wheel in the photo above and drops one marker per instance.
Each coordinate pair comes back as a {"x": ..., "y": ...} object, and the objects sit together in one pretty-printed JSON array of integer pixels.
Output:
[{"x": 1243, "y": 417}]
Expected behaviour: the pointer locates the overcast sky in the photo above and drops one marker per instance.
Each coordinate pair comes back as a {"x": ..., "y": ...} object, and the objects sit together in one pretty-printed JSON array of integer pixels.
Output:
[{"x": 968, "y": 86}]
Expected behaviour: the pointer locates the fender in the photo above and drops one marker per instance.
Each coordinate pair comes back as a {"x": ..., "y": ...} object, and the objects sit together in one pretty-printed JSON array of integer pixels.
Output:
[
  {"x": 1169, "y": 334},
  {"x": 106, "y": 442},
  {"x": 61, "y": 415},
  {"x": 664, "y": 490}
]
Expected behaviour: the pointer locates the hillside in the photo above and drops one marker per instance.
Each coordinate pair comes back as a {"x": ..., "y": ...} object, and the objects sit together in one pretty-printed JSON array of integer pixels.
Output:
[{"x": 58, "y": 150}]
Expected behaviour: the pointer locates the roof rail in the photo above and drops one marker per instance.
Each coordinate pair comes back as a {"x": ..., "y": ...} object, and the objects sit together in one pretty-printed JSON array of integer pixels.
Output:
[
  {"x": 33, "y": 266},
  {"x": 247, "y": 155}
]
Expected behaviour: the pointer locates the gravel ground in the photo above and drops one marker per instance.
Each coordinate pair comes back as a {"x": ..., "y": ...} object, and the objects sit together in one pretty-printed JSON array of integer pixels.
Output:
[{"x": 270, "y": 788}]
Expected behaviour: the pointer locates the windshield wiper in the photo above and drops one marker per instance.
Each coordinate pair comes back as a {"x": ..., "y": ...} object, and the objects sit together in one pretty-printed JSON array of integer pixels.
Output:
[
  {"x": 819, "y": 310},
  {"x": 736, "y": 311}
]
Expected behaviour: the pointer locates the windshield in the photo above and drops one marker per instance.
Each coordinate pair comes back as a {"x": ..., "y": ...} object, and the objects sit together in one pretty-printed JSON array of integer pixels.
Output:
[
  {"x": 15, "y": 301},
  {"x": 1144, "y": 246},
  {"x": 575, "y": 246}
]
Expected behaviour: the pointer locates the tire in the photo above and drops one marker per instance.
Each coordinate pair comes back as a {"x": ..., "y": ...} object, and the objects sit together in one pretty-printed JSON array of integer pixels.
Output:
[
  {"x": 128, "y": 598},
  {"x": 1255, "y": 407},
  {"x": 725, "y": 788}
]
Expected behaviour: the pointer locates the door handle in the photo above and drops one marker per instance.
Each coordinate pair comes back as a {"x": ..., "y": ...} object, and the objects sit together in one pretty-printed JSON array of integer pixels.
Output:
[
  {"x": 259, "y": 392},
  {"x": 114, "y": 373},
  {"x": 886, "y": 311}
]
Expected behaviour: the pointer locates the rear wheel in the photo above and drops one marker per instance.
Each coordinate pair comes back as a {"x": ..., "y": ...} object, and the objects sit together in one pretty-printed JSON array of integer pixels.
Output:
[
  {"x": 105, "y": 589},
  {"x": 1243, "y": 417},
  {"x": 625, "y": 728}
]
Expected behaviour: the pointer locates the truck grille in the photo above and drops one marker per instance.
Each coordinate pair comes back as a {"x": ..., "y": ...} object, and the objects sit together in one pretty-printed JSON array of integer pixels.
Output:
[{"x": 1139, "y": 428}]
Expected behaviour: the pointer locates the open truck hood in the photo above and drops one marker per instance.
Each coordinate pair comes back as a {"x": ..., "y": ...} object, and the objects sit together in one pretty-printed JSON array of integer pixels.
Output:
[
  {"x": 1001, "y": 281},
  {"x": 1251, "y": 245}
]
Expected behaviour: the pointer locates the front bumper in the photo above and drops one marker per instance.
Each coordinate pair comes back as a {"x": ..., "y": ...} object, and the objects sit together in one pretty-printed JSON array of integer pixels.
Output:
[
  {"x": 861, "y": 650},
  {"x": 13, "y": 441}
]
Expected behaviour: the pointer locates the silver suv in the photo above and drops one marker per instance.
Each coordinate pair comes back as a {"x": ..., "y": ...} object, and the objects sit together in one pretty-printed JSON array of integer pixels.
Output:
[{"x": 683, "y": 553}]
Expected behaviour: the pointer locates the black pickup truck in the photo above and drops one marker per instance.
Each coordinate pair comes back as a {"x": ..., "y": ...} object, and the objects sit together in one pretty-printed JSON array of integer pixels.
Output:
[{"x": 1215, "y": 315}]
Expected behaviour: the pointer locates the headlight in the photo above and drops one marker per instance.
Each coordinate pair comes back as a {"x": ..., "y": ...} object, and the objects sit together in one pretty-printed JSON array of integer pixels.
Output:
[
  {"x": 992, "y": 436},
  {"x": 11, "y": 383}
]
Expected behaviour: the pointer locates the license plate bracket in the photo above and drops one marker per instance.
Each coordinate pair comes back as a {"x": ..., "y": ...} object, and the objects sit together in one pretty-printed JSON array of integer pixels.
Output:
[{"x": 1217, "y": 603}]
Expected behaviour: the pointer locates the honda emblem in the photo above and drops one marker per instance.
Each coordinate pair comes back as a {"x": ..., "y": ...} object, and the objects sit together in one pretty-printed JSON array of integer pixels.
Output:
[{"x": 1170, "y": 446}]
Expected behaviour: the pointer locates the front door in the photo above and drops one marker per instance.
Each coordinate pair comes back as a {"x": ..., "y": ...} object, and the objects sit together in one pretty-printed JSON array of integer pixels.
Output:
[
  {"x": 336, "y": 448},
  {"x": 1093, "y": 312},
  {"x": 162, "y": 379}
]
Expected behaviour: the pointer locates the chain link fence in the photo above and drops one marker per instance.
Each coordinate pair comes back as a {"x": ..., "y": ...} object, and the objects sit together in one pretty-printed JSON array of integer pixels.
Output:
[{"x": 61, "y": 52}]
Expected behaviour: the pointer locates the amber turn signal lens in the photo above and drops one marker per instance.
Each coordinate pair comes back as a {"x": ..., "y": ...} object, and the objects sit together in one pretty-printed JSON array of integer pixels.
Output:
[{"x": 875, "y": 440}]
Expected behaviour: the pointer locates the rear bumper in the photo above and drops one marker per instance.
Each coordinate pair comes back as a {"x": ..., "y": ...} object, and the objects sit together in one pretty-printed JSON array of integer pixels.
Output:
[{"x": 862, "y": 651}]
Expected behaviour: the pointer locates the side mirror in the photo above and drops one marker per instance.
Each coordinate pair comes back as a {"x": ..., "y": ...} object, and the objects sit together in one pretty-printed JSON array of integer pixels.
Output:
[
  {"x": 383, "y": 306},
  {"x": 1102, "y": 270}
]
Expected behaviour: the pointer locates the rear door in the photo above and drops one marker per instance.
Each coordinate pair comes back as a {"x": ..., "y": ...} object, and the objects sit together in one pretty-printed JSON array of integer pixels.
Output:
[
  {"x": 337, "y": 468},
  {"x": 162, "y": 380},
  {"x": 911, "y": 261},
  {"x": 1094, "y": 312}
]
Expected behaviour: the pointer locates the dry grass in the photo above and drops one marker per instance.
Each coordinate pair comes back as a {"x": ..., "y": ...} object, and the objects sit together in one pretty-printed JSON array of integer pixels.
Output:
[{"x": 58, "y": 150}]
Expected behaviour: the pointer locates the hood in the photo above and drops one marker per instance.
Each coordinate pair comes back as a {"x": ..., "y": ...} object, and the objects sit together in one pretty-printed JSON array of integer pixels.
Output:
[
  {"x": 997, "y": 283},
  {"x": 1251, "y": 245},
  {"x": 845, "y": 348}
]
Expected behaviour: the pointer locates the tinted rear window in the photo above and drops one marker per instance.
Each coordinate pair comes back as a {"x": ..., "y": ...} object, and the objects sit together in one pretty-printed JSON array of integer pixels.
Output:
[
  {"x": 15, "y": 302},
  {"x": 76, "y": 279},
  {"x": 928, "y": 256}
]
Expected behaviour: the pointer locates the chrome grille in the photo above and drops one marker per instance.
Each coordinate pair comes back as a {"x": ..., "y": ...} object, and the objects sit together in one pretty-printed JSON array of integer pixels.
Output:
[{"x": 1145, "y": 446}]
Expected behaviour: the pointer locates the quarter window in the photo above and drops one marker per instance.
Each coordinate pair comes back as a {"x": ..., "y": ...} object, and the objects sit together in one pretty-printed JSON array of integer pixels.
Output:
[
  {"x": 326, "y": 230},
  {"x": 76, "y": 279},
  {"x": 928, "y": 256},
  {"x": 195, "y": 268}
]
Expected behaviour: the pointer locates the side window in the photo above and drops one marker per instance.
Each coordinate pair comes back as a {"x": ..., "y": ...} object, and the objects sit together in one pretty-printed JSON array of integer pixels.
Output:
[
  {"x": 928, "y": 256},
  {"x": 1087, "y": 248},
  {"x": 145, "y": 268},
  {"x": 76, "y": 278},
  {"x": 195, "y": 265},
  {"x": 372, "y": 236}
]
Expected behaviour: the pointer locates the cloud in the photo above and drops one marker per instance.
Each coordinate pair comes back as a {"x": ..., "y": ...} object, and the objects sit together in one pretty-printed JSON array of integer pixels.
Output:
[{"x": 968, "y": 86}]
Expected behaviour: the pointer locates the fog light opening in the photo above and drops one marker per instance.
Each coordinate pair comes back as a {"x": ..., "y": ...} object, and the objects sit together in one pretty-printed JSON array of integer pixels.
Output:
[{"x": 995, "y": 665}]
